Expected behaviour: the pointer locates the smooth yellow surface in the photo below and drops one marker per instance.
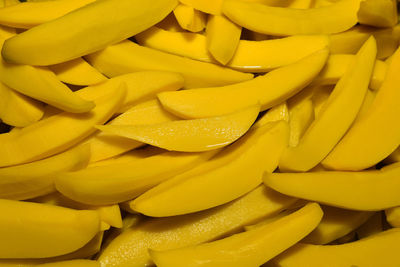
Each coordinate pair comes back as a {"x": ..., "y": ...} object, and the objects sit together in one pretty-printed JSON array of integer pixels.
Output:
[
  {"x": 17, "y": 109},
  {"x": 43, "y": 85},
  {"x": 336, "y": 223},
  {"x": 320, "y": 97},
  {"x": 301, "y": 4},
  {"x": 109, "y": 214},
  {"x": 280, "y": 21},
  {"x": 393, "y": 216},
  {"x": 127, "y": 57},
  {"x": 140, "y": 86},
  {"x": 189, "y": 18},
  {"x": 262, "y": 56},
  {"x": 222, "y": 38},
  {"x": 57, "y": 133},
  {"x": 88, "y": 250},
  {"x": 375, "y": 135},
  {"x": 190, "y": 135},
  {"x": 268, "y": 90},
  {"x": 378, "y": 13},
  {"x": 73, "y": 263},
  {"x": 26, "y": 15},
  {"x": 114, "y": 183},
  {"x": 214, "y": 6},
  {"x": 77, "y": 72},
  {"x": 337, "y": 65},
  {"x": 378, "y": 250},
  {"x": 349, "y": 42},
  {"x": 131, "y": 247},
  {"x": 104, "y": 146},
  {"x": 276, "y": 113},
  {"x": 270, "y": 54},
  {"x": 36, "y": 178},
  {"x": 10, "y": 2},
  {"x": 200, "y": 188},
  {"x": 207, "y": 6},
  {"x": 368, "y": 101},
  {"x": 336, "y": 116},
  {"x": 40, "y": 84},
  {"x": 367, "y": 190},
  {"x": 185, "y": 44},
  {"x": 32, "y": 230},
  {"x": 84, "y": 31},
  {"x": 301, "y": 115},
  {"x": 251, "y": 248}
]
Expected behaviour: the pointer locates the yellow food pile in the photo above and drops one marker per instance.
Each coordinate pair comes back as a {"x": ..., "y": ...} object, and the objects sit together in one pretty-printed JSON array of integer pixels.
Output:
[{"x": 199, "y": 133}]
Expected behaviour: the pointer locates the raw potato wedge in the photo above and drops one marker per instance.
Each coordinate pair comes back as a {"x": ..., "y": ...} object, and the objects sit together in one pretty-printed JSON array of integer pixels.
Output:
[
  {"x": 43, "y": 85},
  {"x": 268, "y": 90},
  {"x": 84, "y": 31},
  {"x": 377, "y": 250},
  {"x": 127, "y": 57},
  {"x": 279, "y": 21},
  {"x": 131, "y": 247},
  {"x": 222, "y": 46},
  {"x": 337, "y": 65},
  {"x": 199, "y": 188},
  {"x": 130, "y": 156},
  {"x": 72, "y": 263},
  {"x": 376, "y": 190},
  {"x": 337, "y": 115},
  {"x": 349, "y": 42},
  {"x": 169, "y": 24},
  {"x": 40, "y": 84},
  {"x": 207, "y": 6},
  {"x": 372, "y": 137},
  {"x": 277, "y": 113},
  {"x": 393, "y": 216},
  {"x": 109, "y": 214},
  {"x": 189, "y": 18},
  {"x": 378, "y": 13},
  {"x": 185, "y": 44},
  {"x": 335, "y": 224},
  {"x": 301, "y": 115},
  {"x": 190, "y": 135},
  {"x": 275, "y": 53},
  {"x": 17, "y": 109},
  {"x": 35, "y": 179},
  {"x": 214, "y": 7},
  {"x": 32, "y": 230},
  {"x": 104, "y": 146},
  {"x": 88, "y": 250},
  {"x": 114, "y": 183},
  {"x": 251, "y": 248},
  {"x": 25, "y": 15},
  {"x": 57, "y": 133},
  {"x": 301, "y": 4},
  {"x": 270, "y": 54},
  {"x": 140, "y": 86},
  {"x": 77, "y": 72}
]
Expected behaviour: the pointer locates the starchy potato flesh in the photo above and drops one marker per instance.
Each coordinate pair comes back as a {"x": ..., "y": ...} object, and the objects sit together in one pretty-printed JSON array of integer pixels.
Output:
[
  {"x": 189, "y": 18},
  {"x": 316, "y": 144},
  {"x": 268, "y": 90},
  {"x": 25, "y": 47},
  {"x": 214, "y": 133},
  {"x": 77, "y": 72},
  {"x": 25, "y": 15},
  {"x": 126, "y": 57}
]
